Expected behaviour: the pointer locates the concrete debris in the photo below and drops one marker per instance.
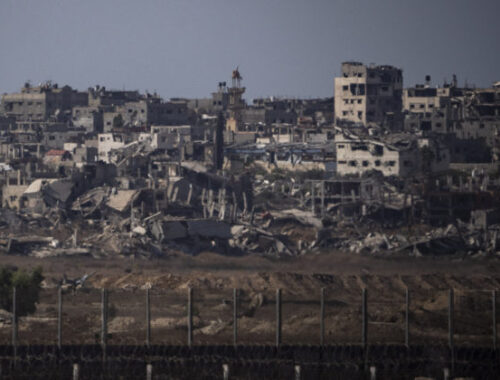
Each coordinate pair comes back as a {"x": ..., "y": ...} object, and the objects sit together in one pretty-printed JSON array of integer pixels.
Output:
[
  {"x": 139, "y": 230},
  {"x": 130, "y": 174},
  {"x": 279, "y": 200},
  {"x": 120, "y": 200}
]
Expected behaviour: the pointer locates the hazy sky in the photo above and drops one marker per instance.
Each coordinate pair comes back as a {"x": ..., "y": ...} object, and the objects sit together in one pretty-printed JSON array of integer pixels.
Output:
[{"x": 283, "y": 47}]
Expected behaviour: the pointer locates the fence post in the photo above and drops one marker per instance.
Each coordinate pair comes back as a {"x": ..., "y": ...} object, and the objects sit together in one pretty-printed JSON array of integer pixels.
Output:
[
  {"x": 450, "y": 318},
  {"x": 407, "y": 318},
  {"x": 225, "y": 371},
  {"x": 148, "y": 318},
  {"x": 322, "y": 318},
  {"x": 235, "y": 316},
  {"x": 446, "y": 374},
  {"x": 322, "y": 198},
  {"x": 373, "y": 373},
  {"x": 313, "y": 198},
  {"x": 451, "y": 327},
  {"x": 76, "y": 371},
  {"x": 190, "y": 317},
  {"x": 364, "y": 311},
  {"x": 104, "y": 318},
  {"x": 59, "y": 317},
  {"x": 14, "y": 319},
  {"x": 149, "y": 371},
  {"x": 494, "y": 317},
  {"x": 298, "y": 374},
  {"x": 278, "y": 317}
]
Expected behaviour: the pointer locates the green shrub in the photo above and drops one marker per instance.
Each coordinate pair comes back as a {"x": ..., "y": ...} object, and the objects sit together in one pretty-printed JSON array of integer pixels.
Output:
[{"x": 27, "y": 285}]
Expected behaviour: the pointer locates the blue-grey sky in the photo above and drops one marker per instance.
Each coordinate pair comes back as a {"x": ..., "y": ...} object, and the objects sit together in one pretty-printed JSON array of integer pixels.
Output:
[{"x": 283, "y": 47}]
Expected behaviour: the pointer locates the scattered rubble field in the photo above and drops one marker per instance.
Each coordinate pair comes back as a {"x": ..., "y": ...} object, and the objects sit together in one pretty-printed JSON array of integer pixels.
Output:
[{"x": 213, "y": 277}]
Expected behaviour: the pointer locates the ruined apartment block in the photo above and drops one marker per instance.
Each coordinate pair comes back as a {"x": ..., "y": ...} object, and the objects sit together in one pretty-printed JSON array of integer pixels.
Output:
[{"x": 368, "y": 94}]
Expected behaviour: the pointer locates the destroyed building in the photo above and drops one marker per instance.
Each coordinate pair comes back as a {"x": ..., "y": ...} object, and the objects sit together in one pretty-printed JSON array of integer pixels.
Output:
[
  {"x": 140, "y": 176},
  {"x": 468, "y": 117},
  {"x": 395, "y": 155},
  {"x": 369, "y": 94}
]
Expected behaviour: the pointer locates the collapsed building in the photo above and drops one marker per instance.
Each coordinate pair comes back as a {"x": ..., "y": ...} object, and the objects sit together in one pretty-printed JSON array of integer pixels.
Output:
[{"x": 116, "y": 172}]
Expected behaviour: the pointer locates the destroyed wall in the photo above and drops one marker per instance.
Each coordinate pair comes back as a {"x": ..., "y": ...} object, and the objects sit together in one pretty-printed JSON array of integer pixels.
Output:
[
  {"x": 12, "y": 196},
  {"x": 359, "y": 157},
  {"x": 488, "y": 130},
  {"x": 106, "y": 143},
  {"x": 89, "y": 118},
  {"x": 446, "y": 207},
  {"x": 483, "y": 219},
  {"x": 435, "y": 122},
  {"x": 56, "y": 139},
  {"x": 468, "y": 151}
]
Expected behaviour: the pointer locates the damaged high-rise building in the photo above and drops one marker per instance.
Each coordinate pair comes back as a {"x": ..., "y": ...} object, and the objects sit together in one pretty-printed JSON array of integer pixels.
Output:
[{"x": 368, "y": 94}]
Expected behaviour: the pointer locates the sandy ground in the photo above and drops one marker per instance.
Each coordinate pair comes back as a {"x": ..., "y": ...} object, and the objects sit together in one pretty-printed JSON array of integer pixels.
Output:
[{"x": 213, "y": 277}]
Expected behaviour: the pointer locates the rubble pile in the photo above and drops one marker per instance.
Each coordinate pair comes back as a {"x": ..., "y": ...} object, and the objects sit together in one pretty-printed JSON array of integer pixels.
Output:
[
  {"x": 145, "y": 204},
  {"x": 107, "y": 172}
]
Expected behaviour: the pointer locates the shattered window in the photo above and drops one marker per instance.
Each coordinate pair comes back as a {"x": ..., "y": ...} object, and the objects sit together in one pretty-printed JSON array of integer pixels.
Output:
[
  {"x": 377, "y": 150},
  {"x": 357, "y": 89},
  {"x": 359, "y": 147}
]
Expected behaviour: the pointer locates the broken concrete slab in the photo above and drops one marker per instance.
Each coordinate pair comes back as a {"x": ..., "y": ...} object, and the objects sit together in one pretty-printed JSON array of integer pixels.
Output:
[
  {"x": 121, "y": 199},
  {"x": 209, "y": 228}
]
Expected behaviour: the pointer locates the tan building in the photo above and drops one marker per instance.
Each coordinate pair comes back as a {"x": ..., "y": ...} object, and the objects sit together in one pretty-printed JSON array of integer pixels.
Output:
[
  {"x": 421, "y": 99},
  {"x": 426, "y": 99},
  {"x": 395, "y": 155},
  {"x": 368, "y": 94},
  {"x": 41, "y": 102}
]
